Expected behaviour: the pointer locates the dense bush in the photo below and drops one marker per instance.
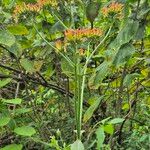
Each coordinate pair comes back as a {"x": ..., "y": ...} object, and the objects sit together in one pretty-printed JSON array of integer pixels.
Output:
[{"x": 74, "y": 74}]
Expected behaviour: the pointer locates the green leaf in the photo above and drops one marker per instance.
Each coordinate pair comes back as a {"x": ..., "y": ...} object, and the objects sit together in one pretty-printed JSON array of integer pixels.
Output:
[
  {"x": 126, "y": 106},
  {"x": 125, "y": 35},
  {"x": 27, "y": 65},
  {"x": 92, "y": 11},
  {"x": 22, "y": 110},
  {"x": 129, "y": 78},
  {"x": 109, "y": 129},
  {"x": 4, "y": 121},
  {"x": 12, "y": 101},
  {"x": 116, "y": 120},
  {"x": 6, "y": 38},
  {"x": 100, "y": 135},
  {"x": 12, "y": 147},
  {"x": 99, "y": 75},
  {"x": 25, "y": 131},
  {"x": 124, "y": 53},
  {"x": 16, "y": 49},
  {"x": 66, "y": 68},
  {"x": 77, "y": 145},
  {"x": 4, "y": 82},
  {"x": 88, "y": 114},
  {"x": 18, "y": 29}
]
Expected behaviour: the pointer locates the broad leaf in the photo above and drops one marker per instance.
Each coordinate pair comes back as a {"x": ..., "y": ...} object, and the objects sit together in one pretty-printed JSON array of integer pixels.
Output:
[
  {"x": 18, "y": 29},
  {"x": 77, "y": 145},
  {"x": 4, "y": 121},
  {"x": 116, "y": 120},
  {"x": 4, "y": 82},
  {"x": 25, "y": 131},
  {"x": 124, "y": 53},
  {"x": 22, "y": 110},
  {"x": 88, "y": 114},
  {"x": 27, "y": 65},
  {"x": 12, "y": 101},
  {"x": 125, "y": 35},
  {"x": 100, "y": 135},
  {"x": 109, "y": 129},
  {"x": 6, "y": 38},
  {"x": 12, "y": 147},
  {"x": 129, "y": 78}
]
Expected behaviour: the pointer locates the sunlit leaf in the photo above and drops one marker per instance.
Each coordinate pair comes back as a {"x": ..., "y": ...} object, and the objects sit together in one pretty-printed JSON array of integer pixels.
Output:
[
  {"x": 25, "y": 131},
  {"x": 4, "y": 82},
  {"x": 6, "y": 38},
  {"x": 109, "y": 129},
  {"x": 77, "y": 145},
  {"x": 12, "y": 101},
  {"x": 12, "y": 147},
  {"x": 4, "y": 121},
  {"x": 18, "y": 29},
  {"x": 116, "y": 120},
  {"x": 100, "y": 135}
]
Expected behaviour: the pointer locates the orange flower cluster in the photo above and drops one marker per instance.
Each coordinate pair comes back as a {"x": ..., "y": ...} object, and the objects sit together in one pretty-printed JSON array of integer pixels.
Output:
[
  {"x": 114, "y": 7},
  {"x": 78, "y": 34},
  {"x": 23, "y": 7}
]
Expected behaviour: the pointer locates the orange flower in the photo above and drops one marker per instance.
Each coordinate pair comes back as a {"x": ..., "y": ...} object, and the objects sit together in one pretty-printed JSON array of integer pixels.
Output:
[
  {"x": 19, "y": 9},
  {"x": 114, "y": 7},
  {"x": 78, "y": 34}
]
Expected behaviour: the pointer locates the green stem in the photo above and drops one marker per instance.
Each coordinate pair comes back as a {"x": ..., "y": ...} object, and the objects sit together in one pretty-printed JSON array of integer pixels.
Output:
[
  {"x": 65, "y": 57},
  {"x": 84, "y": 78}
]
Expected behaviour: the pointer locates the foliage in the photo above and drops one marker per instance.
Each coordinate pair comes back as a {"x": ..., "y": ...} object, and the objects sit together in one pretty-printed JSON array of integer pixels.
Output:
[{"x": 74, "y": 75}]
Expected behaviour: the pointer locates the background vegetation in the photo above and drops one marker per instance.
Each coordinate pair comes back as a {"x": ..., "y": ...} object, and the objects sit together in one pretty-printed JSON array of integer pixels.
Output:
[{"x": 74, "y": 74}]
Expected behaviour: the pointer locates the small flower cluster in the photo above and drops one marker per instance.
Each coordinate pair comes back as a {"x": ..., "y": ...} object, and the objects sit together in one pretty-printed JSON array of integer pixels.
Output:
[
  {"x": 78, "y": 34},
  {"x": 23, "y": 7},
  {"x": 114, "y": 7}
]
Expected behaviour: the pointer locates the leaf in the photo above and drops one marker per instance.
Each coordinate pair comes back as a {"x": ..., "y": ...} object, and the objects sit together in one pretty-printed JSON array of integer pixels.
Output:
[
  {"x": 116, "y": 120},
  {"x": 27, "y": 65},
  {"x": 12, "y": 147},
  {"x": 22, "y": 111},
  {"x": 6, "y": 38},
  {"x": 125, "y": 106},
  {"x": 18, "y": 29},
  {"x": 100, "y": 135},
  {"x": 99, "y": 75},
  {"x": 4, "y": 82},
  {"x": 123, "y": 54},
  {"x": 109, "y": 129},
  {"x": 25, "y": 131},
  {"x": 4, "y": 121},
  {"x": 77, "y": 145},
  {"x": 125, "y": 35},
  {"x": 129, "y": 78},
  {"x": 16, "y": 49},
  {"x": 66, "y": 68},
  {"x": 38, "y": 65},
  {"x": 12, "y": 101},
  {"x": 102, "y": 71},
  {"x": 92, "y": 11},
  {"x": 88, "y": 114}
]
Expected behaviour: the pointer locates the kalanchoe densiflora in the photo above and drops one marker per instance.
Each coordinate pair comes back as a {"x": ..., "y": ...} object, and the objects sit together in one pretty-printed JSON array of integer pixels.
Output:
[
  {"x": 114, "y": 8},
  {"x": 78, "y": 34},
  {"x": 36, "y": 7}
]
